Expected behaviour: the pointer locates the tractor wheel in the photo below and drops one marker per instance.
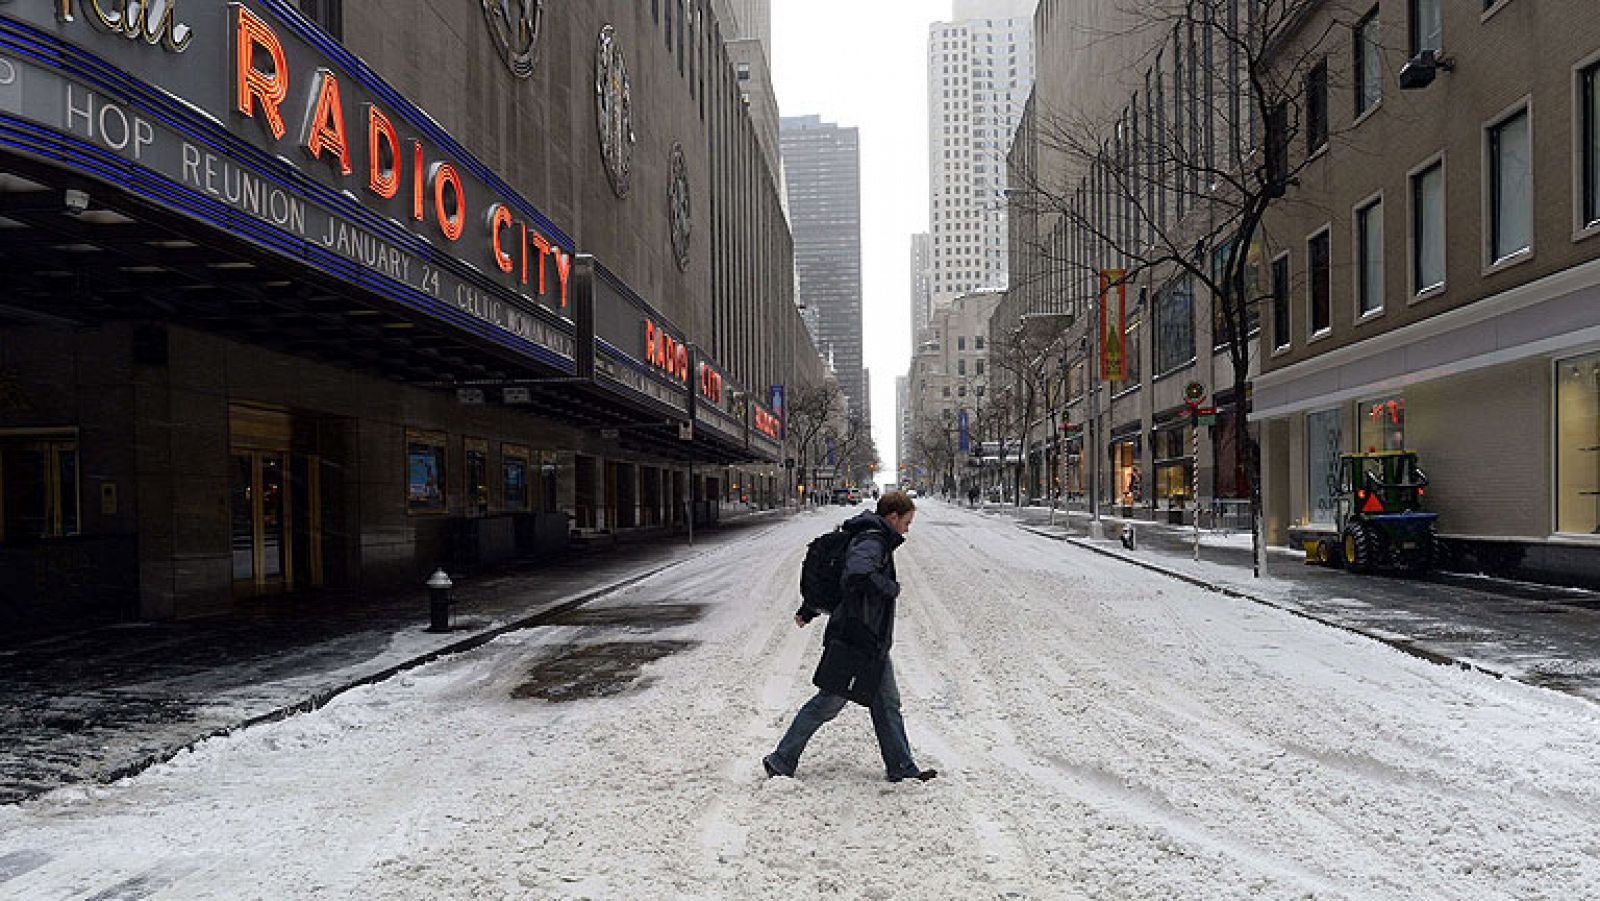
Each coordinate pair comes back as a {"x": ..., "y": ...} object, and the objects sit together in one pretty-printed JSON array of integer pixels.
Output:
[
  {"x": 1426, "y": 557},
  {"x": 1328, "y": 553},
  {"x": 1360, "y": 548}
]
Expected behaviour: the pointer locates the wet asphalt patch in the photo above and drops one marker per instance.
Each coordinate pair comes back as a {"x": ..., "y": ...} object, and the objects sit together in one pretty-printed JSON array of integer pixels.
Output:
[
  {"x": 647, "y": 615},
  {"x": 594, "y": 671}
]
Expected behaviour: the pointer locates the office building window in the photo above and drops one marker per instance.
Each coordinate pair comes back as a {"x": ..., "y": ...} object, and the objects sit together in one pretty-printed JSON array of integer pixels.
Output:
[
  {"x": 1510, "y": 187},
  {"x": 1589, "y": 142},
  {"x": 1174, "y": 327},
  {"x": 1319, "y": 288},
  {"x": 1427, "y": 229},
  {"x": 1368, "y": 63},
  {"x": 1317, "y": 108},
  {"x": 1427, "y": 31},
  {"x": 1280, "y": 302},
  {"x": 1369, "y": 258}
]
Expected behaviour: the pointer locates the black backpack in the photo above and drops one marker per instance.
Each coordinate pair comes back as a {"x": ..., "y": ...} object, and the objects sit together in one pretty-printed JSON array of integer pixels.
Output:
[{"x": 822, "y": 573}]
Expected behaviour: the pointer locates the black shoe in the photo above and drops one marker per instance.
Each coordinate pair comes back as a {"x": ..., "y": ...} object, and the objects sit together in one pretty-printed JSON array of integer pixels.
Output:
[
  {"x": 919, "y": 775},
  {"x": 771, "y": 771}
]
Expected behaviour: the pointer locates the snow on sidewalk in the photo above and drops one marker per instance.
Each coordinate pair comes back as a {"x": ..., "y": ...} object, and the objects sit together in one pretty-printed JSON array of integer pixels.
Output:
[{"x": 1101, "y": 732}]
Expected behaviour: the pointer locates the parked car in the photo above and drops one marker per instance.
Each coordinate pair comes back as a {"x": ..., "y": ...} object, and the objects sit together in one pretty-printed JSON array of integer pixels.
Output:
[
  {"x": 855, "y": 495},
  {"x": 911, "y": 492}
]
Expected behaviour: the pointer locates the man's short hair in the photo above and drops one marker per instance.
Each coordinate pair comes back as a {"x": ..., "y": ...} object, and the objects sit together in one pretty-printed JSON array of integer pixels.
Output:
[{"x": 895, "y": 502}]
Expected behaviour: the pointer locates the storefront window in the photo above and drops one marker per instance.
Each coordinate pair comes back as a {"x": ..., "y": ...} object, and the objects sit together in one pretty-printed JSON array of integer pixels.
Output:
[
  {"x": 38, "y": 488},
  {"x": 1383, "y": 423},
  {"x": 514, "y": 474},
  {"x": 1174, "y": 467},
  {"x": 1324, "y": 444},
  {"x": 425, "y": 472},
  {"x": 1578, "y": 445},
  {"x": 1125, "y": 472}
]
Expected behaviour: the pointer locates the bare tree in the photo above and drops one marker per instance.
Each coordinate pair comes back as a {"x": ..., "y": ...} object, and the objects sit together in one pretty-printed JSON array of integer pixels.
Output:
[
  {"x": 1185, "y": 195},
  {"x": 812, "y": 409},
  {"x": 1022, "y": 354}
]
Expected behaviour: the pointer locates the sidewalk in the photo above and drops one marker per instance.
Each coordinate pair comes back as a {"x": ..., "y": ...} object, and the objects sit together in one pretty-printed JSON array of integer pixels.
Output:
[
  {"x": 1539, "y": 634},
  {"x": 101, "y": 703}
]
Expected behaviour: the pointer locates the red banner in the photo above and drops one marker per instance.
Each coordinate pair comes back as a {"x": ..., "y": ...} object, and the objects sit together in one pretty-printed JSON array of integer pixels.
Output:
[{"x": 1113, "y": 325}]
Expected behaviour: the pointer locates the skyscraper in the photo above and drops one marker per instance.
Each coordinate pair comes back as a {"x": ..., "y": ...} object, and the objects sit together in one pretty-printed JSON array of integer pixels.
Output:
[
  {"x": 980, "y": 69},
  {"x": 822, "y": 166}
]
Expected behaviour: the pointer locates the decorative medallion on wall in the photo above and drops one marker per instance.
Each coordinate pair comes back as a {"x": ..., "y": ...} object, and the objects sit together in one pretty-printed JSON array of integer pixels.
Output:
[
  {"x": 515, "y": 27},
  {"x": 678, "y": 207},
  {"x": 613, "y": 96}
]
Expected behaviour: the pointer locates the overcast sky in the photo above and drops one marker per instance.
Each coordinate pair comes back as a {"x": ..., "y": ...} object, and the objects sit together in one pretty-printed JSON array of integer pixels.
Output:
[{"x": 863, "y": 63}]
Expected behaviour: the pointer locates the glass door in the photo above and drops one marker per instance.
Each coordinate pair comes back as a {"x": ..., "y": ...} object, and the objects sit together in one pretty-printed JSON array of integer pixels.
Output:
[{"x": 260, "y": 540}]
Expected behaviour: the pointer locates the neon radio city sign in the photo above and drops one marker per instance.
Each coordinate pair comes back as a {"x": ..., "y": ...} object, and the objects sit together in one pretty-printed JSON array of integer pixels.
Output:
[
  {"x": 261, "y": 84},
  {"x": 666, "y": 353},
  {"x": 767, "y": 424}
]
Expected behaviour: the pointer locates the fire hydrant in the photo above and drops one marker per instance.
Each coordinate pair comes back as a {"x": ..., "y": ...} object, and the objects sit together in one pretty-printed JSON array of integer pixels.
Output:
[{"x": 439, "y": 601}]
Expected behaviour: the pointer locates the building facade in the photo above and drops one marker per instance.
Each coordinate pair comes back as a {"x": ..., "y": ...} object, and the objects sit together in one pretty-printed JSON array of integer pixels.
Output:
[
  {"x": 980, "y": 69},
  {"x": 948, "y": 395},
  {"x": 315, "y": 305},
  {"x": 921, "y": 284},
  {"x": 822, "y": 171},
  {"x": 1436, "y": 282},
  {"x": 1426, "y": 281}
]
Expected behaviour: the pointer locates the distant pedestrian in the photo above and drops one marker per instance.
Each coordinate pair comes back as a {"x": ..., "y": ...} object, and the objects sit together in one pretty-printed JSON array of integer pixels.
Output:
[
  {"x": 870, "y": 591},
  {"x": 972, "y": 496}
]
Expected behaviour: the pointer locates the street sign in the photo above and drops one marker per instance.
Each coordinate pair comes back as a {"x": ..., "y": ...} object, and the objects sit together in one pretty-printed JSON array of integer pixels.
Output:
[
  {"x": 610, "y": 434},
  {"x": 685, "y": 431},
  {"x": 1203, "y": 419},
  {"x": 517, "y": 395},
  {"x": 470, "y": 396}
]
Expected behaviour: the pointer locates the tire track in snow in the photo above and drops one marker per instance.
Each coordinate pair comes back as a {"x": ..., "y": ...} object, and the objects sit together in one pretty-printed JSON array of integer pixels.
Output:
[{"x": 941, "y": 562}]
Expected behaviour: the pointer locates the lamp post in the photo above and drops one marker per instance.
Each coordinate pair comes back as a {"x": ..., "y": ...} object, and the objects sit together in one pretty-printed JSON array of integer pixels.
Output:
[{"x": 1091, "y": 431}]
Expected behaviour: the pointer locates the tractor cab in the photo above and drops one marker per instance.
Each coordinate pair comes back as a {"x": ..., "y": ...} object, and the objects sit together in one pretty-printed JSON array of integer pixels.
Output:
[{"x": 1378, "y": 483}]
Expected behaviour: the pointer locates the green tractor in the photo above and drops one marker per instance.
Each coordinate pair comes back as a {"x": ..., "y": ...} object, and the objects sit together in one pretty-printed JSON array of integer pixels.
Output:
[{"x": 1378, "y": 517}]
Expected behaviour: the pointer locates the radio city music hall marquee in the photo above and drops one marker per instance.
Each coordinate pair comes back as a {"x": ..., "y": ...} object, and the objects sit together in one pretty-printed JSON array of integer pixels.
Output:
[{"x": 392, "y": 174}]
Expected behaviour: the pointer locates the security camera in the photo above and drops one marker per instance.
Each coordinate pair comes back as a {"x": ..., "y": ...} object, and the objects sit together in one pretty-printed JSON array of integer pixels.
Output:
[{"x": 75, "y": 200}]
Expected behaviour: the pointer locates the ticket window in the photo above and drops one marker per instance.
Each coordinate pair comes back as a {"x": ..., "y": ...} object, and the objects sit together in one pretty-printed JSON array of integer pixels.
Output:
[{"x": 39, "y": 488}]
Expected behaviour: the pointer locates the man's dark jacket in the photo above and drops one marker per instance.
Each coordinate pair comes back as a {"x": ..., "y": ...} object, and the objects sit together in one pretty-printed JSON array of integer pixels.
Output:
[{"x": 870, "y": 588}]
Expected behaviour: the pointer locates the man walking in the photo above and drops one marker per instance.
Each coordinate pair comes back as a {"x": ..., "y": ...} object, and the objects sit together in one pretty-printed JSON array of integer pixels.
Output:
[{"x": 870, "y": 591}]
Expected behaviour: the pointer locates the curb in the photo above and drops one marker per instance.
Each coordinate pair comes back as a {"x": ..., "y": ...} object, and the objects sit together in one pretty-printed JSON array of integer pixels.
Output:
[
  {"x": 321, "y": 698},
  {"x": 1398, "y": 644}
]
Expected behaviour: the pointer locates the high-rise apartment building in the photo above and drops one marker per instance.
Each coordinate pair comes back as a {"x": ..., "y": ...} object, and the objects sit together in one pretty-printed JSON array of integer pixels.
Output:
[
  {"x": 822, "y": 166},
  {"x": 980, "y": 69}
]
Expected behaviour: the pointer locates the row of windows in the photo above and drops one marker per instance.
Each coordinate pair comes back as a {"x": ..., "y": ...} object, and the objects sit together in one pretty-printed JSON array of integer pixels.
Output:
[{"x": 1507, "y": 204}]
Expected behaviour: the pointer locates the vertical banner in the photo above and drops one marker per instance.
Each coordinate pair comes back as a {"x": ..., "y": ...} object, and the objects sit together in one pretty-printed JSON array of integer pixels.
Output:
[
  {"x": 833, "y": 452},
  {"x": 1113, "y": 325},
  {"x": 775, "y": 402},
  {"x": 965, "y": 439}
]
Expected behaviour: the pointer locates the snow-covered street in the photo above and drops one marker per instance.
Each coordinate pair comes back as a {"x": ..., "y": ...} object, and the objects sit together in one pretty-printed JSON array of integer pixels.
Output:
[{"x": 1100, "y": 731}]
